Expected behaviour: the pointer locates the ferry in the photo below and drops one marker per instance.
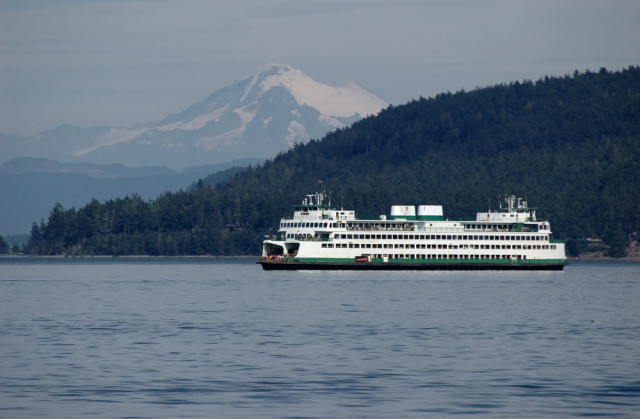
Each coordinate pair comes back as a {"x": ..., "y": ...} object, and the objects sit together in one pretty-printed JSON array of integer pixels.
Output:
[{"x": 319, "y": 237}]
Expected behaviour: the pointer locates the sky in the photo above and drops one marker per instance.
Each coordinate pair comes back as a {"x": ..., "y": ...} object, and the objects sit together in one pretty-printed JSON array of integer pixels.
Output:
[{"x": 123, "y": 62}]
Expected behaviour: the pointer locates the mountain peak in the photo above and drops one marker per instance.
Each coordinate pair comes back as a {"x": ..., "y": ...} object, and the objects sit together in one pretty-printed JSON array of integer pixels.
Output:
[
  {"x": 343, "y": 101},
  {"x": 257, "y": 117}
]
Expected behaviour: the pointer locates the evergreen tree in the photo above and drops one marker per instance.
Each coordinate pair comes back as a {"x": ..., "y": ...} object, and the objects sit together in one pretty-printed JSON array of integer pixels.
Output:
[{"x": 5, "y": 249}]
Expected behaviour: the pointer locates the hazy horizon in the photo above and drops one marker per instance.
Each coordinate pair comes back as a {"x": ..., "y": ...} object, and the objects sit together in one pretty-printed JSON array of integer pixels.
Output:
[{"x": 120, "y": 63}]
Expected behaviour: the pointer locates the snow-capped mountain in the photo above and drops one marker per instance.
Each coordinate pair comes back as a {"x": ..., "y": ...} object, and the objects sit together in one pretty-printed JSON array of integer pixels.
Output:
[{"x": 257, "y": 117}]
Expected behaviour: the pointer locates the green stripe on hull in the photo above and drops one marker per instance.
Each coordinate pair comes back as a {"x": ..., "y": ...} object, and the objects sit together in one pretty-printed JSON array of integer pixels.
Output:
[{"x": 293, "y": 265}]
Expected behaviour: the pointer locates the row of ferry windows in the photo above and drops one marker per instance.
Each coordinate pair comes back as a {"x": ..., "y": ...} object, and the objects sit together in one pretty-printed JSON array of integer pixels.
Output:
[
  {"x": 436, "y": 246},
  {"x": 502, "y": 227},
  {"x": 435, "y": 256},
  {"x": 436, "y": 237},
  {"x": 311, "y": 225},
  {"x": 291, "y": 224},
  {"x": 421, "y": 237}
]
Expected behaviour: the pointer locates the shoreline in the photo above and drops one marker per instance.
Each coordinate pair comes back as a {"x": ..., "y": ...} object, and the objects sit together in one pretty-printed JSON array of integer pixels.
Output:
[
  {"x": 133, "y": 257},
  {"x": 604, "y": 259},
  {"x": 633, "y": 258}
]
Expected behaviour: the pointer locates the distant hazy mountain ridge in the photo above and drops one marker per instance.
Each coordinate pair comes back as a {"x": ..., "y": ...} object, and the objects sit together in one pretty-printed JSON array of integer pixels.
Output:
[{"x": 256, "y": 117}]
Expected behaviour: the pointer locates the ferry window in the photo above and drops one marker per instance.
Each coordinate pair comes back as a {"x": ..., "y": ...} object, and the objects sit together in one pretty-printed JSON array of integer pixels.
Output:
[
  {"x": 324, "y": 245},
  {"x": 349, "y": 236}
]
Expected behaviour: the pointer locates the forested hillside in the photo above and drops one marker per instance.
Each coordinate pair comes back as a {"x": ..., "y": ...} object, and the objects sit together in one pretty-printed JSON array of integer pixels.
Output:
[{"x": 570, "y": 145}]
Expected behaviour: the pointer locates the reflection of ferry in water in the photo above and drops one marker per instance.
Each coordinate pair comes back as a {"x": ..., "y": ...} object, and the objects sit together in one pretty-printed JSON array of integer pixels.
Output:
[{"x": 320, "y": 237}]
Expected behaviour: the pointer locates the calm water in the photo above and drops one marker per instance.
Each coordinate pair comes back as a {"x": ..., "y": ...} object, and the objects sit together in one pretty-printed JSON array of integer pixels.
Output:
[{"x": 221, "y": 338}]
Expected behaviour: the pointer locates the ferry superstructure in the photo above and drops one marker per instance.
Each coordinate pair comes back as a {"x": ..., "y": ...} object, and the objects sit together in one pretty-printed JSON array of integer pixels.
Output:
[{"x": 321, "y": 237}]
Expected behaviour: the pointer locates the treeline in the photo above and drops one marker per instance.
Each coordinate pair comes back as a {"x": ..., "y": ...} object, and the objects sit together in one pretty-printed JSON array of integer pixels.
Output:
[
  {"x": 570, "y": 145},
  {"x": 182, "y": 223}
]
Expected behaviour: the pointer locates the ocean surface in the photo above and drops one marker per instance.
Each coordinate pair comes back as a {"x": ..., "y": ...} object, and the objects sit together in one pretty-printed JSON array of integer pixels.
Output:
[{"x": 220, "y": 338}]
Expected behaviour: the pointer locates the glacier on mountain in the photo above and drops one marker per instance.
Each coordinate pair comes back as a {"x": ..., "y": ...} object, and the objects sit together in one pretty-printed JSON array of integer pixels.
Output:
[{"x": 256, "y": 117}]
